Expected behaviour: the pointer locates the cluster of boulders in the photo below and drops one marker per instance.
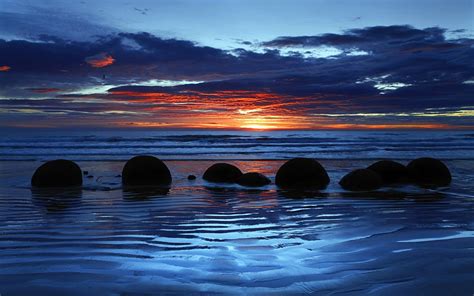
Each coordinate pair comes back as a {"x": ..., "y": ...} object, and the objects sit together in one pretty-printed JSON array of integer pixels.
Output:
[
  {"x": 425, "y": 172},
  {"x": 228, "y": 173},
  {"x": 296, "y": 173}
]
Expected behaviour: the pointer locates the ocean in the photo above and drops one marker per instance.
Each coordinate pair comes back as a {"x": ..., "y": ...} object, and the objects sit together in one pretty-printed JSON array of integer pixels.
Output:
[
  {"x": 201, "y": 238},
  {"x": 234, "y": 145}
]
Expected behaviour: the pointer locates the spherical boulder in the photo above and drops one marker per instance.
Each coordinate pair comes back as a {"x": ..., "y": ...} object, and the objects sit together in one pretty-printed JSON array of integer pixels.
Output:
[
  {"x": 191, "y": 177},
  {"x": 361, "y": 180},
  {"x": 253, "y": 180},
  {"x": 390, "y": 171},
  {"x": 57, "y": 173},
  {"x": 145, "y": 170},
  {"x": 300, "y": 173},
  {"x": 429, "y": 172},
  {"x": 222, "y": 173}
]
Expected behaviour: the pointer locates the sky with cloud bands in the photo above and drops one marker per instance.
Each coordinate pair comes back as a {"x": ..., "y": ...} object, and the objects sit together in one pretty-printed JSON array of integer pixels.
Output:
[{"x": 368, "y": 74}]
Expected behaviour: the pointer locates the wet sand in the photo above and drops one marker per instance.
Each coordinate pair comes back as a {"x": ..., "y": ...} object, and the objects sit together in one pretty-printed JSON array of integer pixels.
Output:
[{"x": 200, "y": 238}]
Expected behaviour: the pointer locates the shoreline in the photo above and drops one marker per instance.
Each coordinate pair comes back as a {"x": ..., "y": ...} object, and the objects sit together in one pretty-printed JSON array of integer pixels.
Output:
[{"x": 106, "y": 175}]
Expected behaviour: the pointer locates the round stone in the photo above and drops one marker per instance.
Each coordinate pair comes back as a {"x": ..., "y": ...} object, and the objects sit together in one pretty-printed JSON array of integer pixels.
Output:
[
  {"x": 300, "y": 173},
  {"x": 57, "y": 173},
  {"x": 145, "y": 170}
]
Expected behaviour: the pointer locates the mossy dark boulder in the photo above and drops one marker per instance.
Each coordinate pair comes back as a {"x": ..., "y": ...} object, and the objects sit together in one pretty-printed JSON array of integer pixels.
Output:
[
  {"x": 222, "y": 173},
  {"x": 429, "y": 172},
  {"x": 253, "y": 180},
  {"x": 57, "y": 173},
  {"x": 361, "y": 180},
  {"x": 145, "y": 170},
  {"x": 302, "y": 173},
  {"x": 390, "y": 171}
]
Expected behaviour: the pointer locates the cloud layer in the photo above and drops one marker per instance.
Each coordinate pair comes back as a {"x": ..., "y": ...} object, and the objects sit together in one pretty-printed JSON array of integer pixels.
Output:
[{"x": 379, "y": 76}]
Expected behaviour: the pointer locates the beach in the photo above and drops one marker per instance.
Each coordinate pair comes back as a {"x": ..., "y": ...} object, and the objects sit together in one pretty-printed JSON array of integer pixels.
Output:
[
  {"x": 217, "y": 147},
  {"x": 201, "y": 238}
]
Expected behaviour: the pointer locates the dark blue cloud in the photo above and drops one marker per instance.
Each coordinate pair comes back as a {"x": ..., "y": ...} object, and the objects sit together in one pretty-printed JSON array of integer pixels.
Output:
[
  {"x": 362, "y": 37},
  {"x": 138, "y": 55},
  {"x": 403, "y": 69}
]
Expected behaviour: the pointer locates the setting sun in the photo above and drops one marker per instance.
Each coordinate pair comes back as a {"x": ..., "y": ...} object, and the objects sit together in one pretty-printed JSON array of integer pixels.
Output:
[{"x": 258, "y": 127}]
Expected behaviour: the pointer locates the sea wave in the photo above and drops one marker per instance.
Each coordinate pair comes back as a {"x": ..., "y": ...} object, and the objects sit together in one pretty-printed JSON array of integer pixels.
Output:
[{"x": 238, "y": 145}]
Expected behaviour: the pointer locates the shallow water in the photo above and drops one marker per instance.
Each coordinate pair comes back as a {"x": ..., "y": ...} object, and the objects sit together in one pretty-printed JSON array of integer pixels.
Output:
[{"x": 202, "y": 239}]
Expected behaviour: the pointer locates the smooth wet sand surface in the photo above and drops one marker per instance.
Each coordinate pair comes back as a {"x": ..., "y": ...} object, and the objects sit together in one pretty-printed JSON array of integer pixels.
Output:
[{"x": 205, "y": 239}]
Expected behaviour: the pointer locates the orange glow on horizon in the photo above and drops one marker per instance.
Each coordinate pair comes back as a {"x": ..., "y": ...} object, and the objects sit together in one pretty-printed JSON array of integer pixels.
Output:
[
  {"x": 258, "y": 127},
  {"x": 5, "y": 68},
  {"x": 238, "y": 110},
  {"x": 221, "y": 109},
  {"x": 289, "y": 126}
]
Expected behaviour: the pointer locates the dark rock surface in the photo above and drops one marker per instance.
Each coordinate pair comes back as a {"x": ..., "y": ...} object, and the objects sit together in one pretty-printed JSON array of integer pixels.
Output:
[
  {"x": 191, "y": 177},
  {"x": 390, "y": 171},
  {"x": 302, "y": 172},
  {"x": 222, "y": 173},
  {"x": 360, "y": 180},
  {"x": 429, "y": 172},
  {"x": 145, "y": 170},
  {"x": 57, "y": 173},
  {"x": 253, "y": 179}
]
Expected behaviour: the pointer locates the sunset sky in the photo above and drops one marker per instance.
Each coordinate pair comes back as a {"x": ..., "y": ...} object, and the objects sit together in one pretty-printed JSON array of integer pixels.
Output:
[{"x": 237, "y": 64}]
